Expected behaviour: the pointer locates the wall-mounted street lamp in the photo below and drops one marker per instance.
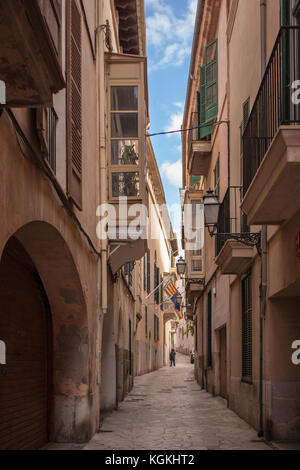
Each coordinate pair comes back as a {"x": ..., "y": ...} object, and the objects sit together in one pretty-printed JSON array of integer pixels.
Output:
[
  {"x": 211, "y": 219},
  {"x": 179, "y": 298},
  {"x": 181, "y": 268}
]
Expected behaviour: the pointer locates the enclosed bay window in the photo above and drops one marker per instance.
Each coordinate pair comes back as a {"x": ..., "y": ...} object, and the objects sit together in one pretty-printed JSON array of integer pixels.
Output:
[
  {"x": 127, "y": 118},
  {"x": 124, "y": 141},
  {"x": 195, "y": 255}
]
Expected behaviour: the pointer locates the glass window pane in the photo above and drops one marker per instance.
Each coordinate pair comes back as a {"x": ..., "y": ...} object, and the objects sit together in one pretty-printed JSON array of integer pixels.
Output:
[
  {"x": 124, "y": 152},
  {"x": 197, "y": 265},
  {"x": 125, "y": 184},
  {"x": 124, "y": 98},
  {"x": 196, "y": 252},
  {"x": 124, "y": 125},
  {"x": 197, "y": 210}
]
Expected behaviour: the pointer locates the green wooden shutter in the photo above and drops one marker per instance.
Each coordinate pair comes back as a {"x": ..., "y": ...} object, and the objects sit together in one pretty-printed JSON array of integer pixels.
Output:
[
  {"x": 198, "y": 115},
  {"x": 161, "y": 292},
  {"x": 209, "y": 330},
  {"x": 204, "y": 130},
  {"x": 148, "y": 272},
  {"x": 156, "y": 277},
  {"x": 145, "y": 273},
  {"x": 211, "y": 80}
]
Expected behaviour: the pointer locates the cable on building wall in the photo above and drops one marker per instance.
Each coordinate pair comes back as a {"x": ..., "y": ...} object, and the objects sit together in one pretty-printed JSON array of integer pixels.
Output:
[{"x": 46, "y": 171}]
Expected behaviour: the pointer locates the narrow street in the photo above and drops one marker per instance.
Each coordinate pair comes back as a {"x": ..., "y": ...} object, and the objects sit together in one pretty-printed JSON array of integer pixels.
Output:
[{"x": 167, "y": 410}]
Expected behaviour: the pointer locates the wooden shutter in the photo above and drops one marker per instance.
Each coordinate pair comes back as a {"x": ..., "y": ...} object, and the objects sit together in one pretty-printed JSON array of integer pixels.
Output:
[
  {"x": 156, "y": 282},
  {"x": 209, "y": 330},
  {"x": 211, "y": 80},
  {"x": 74, "y": 104},
  {"x": 145, "y": 273},
  {"x": 161, "y": 292},
  {"x": 148, "y": 272},
  {"x": 146, "y": 320},
  {"x": 247, "y": 329},
  {"x": 204, "y": 130},
  {"x": 42, "y": 129}
]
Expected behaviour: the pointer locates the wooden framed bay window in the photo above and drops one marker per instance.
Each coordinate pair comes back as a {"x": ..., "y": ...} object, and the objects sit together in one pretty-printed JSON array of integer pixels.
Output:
[
  {"x": 127, "y": 127},
  {"x": 196, "y": 255}
]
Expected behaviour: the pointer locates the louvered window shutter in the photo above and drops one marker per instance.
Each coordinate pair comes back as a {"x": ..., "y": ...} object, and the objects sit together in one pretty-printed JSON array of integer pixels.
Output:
[
  {"x": 211, "y": 80},
  {"x": 42, "y": 129},
  {"x": 247, "y": 329},
  {"x": 145, "y": 272},
  {"x": 74, "y": 105},
  {"x": 204, "y": 130},
  {"x": 148, "y": 272}
]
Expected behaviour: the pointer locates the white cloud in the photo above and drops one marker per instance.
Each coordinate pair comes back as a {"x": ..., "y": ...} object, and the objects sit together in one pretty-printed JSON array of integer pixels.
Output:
[
  {"x": 172, "y": 172},
  {"x": 175, "y": 122},
  {"x": 176, "y": 119},
  {"x": 171, "y": 35}
]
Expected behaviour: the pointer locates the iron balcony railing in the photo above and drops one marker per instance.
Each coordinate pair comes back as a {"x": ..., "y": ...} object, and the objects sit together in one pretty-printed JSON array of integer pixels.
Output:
[
  {"x": 274, "y": 105},
  {"x": 224, "y": 221},
  {"x": 231, "y": 221}
]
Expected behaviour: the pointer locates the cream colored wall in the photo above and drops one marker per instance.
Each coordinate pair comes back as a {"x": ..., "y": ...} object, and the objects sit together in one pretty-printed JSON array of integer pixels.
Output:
[
  {"x": 149, "y": 353},
  {"x": 184, "y": 344},
  {"x": 273, "y": 24},
  {"x": 244, "y": 72}
]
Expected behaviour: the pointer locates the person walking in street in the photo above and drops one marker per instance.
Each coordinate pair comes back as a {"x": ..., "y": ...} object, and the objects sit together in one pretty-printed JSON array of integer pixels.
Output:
[{"x": 172, "y": 357}]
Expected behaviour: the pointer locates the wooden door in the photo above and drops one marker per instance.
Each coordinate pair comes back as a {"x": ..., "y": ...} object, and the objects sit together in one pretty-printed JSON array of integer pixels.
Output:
[
  {"x": 223, "y": 364},
  {"x": 23, "y": 329}
]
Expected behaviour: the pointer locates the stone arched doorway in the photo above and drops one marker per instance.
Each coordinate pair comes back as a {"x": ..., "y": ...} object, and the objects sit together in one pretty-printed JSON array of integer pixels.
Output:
[{"x": 66, "y": 359}]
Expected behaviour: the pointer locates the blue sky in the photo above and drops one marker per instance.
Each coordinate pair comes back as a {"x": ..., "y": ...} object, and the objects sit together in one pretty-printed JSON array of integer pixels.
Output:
[{"x": 170, "y": 27}]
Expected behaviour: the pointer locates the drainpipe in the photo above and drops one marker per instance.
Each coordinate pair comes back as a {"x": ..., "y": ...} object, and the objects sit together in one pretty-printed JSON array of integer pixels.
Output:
[
  {"x": 102, "y": 158},
  {"x": 101, "y": 185},
  {"x": 264, "y": 241}
]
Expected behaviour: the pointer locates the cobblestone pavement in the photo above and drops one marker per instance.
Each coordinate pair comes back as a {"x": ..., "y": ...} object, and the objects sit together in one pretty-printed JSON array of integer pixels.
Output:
[{"x": 166, "y": 410}]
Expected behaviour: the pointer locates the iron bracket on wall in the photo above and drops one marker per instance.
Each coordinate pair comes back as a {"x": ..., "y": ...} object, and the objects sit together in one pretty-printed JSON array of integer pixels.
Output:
[
  {"x": 249, "y": 239},
  {"x": 195, "y": 281},
  {"x": 106, "y": 28}
]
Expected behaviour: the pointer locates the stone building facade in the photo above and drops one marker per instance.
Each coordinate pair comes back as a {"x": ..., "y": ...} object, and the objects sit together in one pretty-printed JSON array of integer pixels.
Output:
[
  {"x": 245, "y": 148},
  {"x": 73, "y": 119}
]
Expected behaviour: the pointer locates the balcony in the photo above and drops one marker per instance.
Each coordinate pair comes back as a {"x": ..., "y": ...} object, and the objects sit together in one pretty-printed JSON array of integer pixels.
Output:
[
  {"x": 169, "y": 313},
  {"x": 271, "y": 141},
  {"x": 194, "y": 287},
  {"x": 233, "y": 257},
  {"x": 30, "y": 51},
  {"x": 199, "y": 151}
]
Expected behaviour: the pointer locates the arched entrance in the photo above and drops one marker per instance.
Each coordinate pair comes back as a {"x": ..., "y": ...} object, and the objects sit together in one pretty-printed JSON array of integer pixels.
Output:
[
  {"x": 25, "y": 379},
  {"x": 52, "y": 290}
]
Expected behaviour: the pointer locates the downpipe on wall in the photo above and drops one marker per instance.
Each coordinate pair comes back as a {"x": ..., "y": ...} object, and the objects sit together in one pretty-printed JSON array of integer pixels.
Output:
[
  {"x": 102, "y": 187},
  {"x": 264, "y": 242}
]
